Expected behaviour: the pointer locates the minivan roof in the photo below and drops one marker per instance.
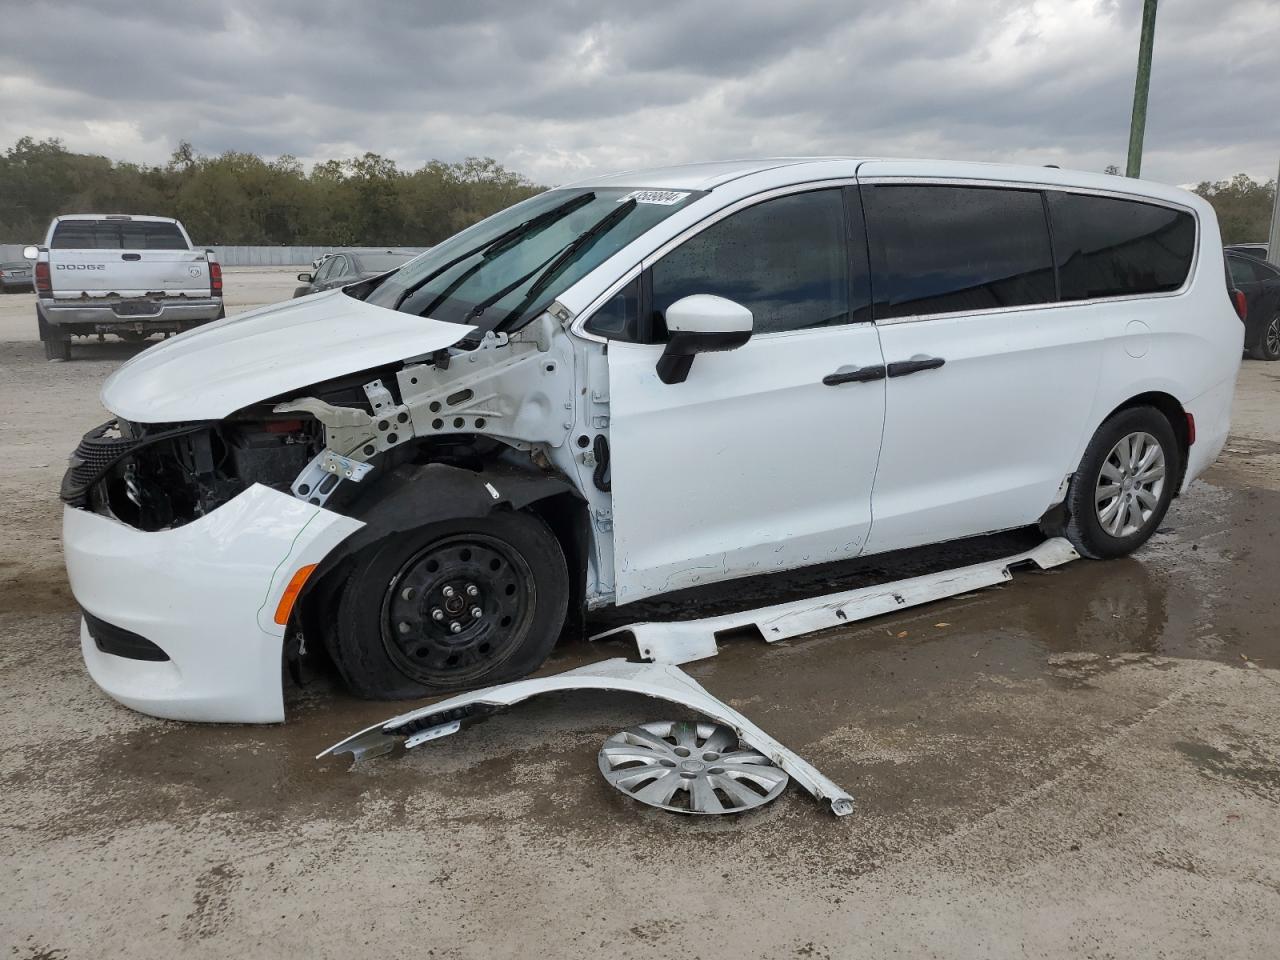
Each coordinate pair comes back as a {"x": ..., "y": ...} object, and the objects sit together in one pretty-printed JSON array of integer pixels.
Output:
[{"x": 708, "y": 176}]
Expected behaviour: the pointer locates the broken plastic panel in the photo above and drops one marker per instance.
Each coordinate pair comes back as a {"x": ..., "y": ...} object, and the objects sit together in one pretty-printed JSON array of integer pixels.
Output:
[
  {"x": 682, "y": 642},
  {"x": 659, "y": 680}
]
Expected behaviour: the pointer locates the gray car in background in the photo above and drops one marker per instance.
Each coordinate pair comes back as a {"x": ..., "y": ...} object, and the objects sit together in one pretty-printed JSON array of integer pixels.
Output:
[
  {"x": 16, "y": 275},
  {"x": 341, "y": 267}
]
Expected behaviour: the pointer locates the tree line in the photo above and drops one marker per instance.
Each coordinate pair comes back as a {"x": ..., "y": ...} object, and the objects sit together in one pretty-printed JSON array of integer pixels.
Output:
[{"x": 238, "y": 197}]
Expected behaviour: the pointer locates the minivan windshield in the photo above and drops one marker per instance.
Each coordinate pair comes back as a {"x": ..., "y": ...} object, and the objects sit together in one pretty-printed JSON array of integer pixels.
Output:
[{"x": 504, "y": 271}]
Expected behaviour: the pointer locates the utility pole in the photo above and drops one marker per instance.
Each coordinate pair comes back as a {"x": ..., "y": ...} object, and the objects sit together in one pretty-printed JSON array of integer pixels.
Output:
[
  {"x": 1138, "y": 124},
  {"x": 1273, "y": 240}
]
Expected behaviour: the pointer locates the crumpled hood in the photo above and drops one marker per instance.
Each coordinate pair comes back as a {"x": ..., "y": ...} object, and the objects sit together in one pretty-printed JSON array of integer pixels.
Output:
[{"x": 208, "y": 373}]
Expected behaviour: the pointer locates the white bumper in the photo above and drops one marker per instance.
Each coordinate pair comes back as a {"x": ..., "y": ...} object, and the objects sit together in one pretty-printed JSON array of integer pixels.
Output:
[
  {"x": 205, "y": 593},
  {"x": 1212, "y": 412}
]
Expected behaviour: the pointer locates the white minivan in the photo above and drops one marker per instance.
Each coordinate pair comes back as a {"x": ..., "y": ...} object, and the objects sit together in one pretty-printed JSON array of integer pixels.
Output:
[{"x": 633, "y": 385}]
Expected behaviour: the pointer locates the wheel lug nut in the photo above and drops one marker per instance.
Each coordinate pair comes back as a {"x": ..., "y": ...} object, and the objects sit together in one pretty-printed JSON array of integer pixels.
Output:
[
  {"x": 437, "y": 614},
  {"x": 472, "y": 590},
  {"x": 404, "y": 627},
  {"x": 455, "y": 627},
  {"x": 476, "y": 613},
  {"x": 448, "y": 592},
  {"x": 408, "y": 593}
]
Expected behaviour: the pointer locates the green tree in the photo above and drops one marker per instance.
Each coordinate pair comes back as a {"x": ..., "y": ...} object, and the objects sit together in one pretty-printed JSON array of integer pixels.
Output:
[
  {"x": 1243, "y": 206},
  {"x": 238, "y": 197}
]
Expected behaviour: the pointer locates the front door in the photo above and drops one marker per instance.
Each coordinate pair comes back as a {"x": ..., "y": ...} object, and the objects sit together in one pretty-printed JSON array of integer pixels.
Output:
[{"x": 753, "y": 464}]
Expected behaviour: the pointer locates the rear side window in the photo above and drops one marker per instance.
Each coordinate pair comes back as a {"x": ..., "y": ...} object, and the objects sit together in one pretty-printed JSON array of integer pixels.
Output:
[
  {"x": 945, "y": 249},
  {"x": 786, "y": 260},
  {"x": 1241, "y": 270},
  {"x": 151, "y": 236},
  {"x": 116, "y": 235},
  {"x": 1108, "y": 247},
  {"x": 84, "y": 235}
]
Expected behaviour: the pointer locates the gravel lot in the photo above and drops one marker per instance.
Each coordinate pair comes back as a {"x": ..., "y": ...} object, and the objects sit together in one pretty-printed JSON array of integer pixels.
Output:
[{"x": 1080, "y": 763}]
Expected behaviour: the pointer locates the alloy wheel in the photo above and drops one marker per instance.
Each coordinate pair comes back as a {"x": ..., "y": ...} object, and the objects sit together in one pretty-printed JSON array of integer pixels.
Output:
[
  {"x": 1272, "y": 337},
  {"x": 1129, "y": 485}
]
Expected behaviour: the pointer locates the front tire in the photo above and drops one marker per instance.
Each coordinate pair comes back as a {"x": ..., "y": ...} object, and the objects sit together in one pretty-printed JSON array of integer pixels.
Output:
[
  {"x": 1266, "y": 342},
  {"x": 1124, "y": 484},
  {"x": 453, "y": 605}
]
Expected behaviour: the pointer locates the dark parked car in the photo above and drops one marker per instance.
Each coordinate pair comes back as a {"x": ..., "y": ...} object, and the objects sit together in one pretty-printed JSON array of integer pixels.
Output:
[
  {"x": 16, "y": 275},
  {"x": 1256, "y": 250},
  {"x": 1259, "y": 281},
  {"x": 345, "y": 266}
]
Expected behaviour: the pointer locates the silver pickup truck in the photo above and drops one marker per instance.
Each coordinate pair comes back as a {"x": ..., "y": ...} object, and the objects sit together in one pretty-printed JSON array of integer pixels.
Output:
[{"x": 125, "y": 275}]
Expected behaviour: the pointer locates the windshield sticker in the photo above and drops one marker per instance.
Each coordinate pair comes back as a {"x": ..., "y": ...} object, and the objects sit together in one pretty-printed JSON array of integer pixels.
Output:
[{"x": 663, "y": 198}]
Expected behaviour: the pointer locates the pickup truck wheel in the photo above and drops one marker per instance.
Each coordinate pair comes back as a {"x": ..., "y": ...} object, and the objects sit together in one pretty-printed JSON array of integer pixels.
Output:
[
  {"x": 453, "y": 605},
  {"x": 57, "y": 346},
  {"x": 1124, "y": 484}
]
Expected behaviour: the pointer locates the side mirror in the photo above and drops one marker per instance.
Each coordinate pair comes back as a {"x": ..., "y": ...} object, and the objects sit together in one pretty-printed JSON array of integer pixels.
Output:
[
  {"x": 700, "y": 324},
  {"x": 30, "y": 253},
  {"x": 304, "y": 277}
]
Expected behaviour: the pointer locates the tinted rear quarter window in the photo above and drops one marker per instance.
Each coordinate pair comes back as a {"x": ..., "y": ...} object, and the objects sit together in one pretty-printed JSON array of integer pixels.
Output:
[
  {"x": 1107, "y": 247},
  {"x": 947, "y": 249}
]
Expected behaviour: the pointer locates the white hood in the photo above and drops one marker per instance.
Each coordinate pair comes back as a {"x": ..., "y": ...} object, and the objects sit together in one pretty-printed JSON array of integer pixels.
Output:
[{"x": 208, "y": 373}]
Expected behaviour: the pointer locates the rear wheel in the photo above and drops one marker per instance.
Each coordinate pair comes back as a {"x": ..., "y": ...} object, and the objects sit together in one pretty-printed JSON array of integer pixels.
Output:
[
  {"x": 57, "y": 345},
  {"x": 1266, "y": 342},
  {"x": 453, "y": 605},
  {"x": 1124, "y": 484}
]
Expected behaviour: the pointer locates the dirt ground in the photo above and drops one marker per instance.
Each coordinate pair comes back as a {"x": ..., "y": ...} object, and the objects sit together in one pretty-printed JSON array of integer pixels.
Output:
[{"x": 1082, "y": 763}]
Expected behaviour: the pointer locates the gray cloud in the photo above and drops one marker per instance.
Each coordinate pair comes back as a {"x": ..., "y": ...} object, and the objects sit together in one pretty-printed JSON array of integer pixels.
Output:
[{"x": 561, "y": 89}]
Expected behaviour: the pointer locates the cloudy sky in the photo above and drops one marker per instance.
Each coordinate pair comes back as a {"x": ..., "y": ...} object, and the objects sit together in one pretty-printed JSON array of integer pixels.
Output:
[{"x": 561, "y": 88}]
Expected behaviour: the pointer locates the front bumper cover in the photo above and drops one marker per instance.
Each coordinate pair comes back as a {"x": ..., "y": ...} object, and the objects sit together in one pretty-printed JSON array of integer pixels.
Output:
[{"x": 205, "y": 593}]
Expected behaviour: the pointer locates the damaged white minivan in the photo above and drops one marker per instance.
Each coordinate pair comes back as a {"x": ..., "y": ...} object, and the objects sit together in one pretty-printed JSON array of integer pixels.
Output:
[{"x": 633, "y": 385}]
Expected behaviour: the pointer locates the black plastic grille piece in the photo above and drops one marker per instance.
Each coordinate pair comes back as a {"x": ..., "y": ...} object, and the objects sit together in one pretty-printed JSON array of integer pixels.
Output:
[
  {"x": 97, "y": 451},
  {"x": 121, "y": 642}
]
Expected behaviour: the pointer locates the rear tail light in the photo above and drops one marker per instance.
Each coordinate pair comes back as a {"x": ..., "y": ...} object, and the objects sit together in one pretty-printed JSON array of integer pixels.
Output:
[
  {"x": 43, "y": 283},
  {"x": 215, "y": 278},
  {"x": 1241, "y": 305}
]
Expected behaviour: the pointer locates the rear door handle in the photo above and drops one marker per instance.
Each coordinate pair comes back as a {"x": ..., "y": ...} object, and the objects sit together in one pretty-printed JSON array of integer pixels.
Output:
[
  {"x": 903, "y": 367},
  {"x": 853, "y": 375}
]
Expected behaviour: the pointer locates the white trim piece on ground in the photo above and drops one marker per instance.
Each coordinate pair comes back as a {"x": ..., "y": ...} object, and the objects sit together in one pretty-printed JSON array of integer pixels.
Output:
[{"x": 684, "y": 641}]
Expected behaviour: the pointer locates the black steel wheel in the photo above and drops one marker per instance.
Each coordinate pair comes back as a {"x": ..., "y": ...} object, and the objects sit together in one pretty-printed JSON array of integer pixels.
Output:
[
  {"x": 456, "y": 608},
  {"x": 452, "y": 605}
]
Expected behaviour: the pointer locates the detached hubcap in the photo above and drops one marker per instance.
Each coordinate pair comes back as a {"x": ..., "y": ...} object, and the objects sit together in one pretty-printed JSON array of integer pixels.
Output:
[
  {"x": 457, "y": 608},
  {"x": 1129, "y": 484}
]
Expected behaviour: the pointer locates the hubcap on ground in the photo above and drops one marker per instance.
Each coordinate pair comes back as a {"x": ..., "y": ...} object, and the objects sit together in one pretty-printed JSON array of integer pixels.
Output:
[
  {"x": 1129, "y": 484},
  {"x": 1273, "y": 336},
  {"x": 457, "y": 608},
  {"x": 690, "y": 768}
]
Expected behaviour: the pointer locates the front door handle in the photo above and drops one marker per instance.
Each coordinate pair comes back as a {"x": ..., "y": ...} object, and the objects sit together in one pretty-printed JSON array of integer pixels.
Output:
[
  {"x": 903, "y": 367},
  {"x": 853, "y": 375}
]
